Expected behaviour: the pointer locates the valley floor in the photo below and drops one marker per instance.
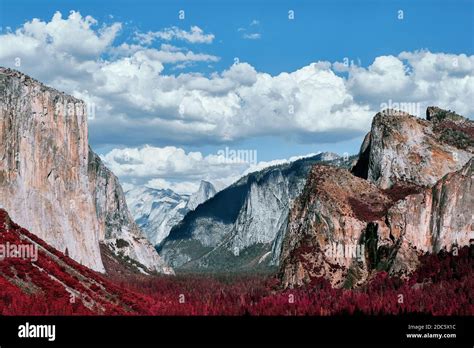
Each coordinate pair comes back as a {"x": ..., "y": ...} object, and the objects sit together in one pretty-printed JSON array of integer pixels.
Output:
[
  {"x": 441, "y": 286},
  {"x": 51, "y": 283}
]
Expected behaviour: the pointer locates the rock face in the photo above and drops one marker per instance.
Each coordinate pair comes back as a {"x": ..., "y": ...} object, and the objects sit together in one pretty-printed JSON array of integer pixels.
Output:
[
  {"x": 118, "y": 230},
  {"x": 206, "y": 190},
  {"x": 334, "y": 209},
  {"x": 157, "y": 211},
  {"x": 404, "y": 149},
  {"x": 50, "y": 181},
  {"x": 437, "y": 218},
  {"x": 44, "y": 170},
  {"x": 242, "y": 226},
  {"x": 343, "y": 227}
]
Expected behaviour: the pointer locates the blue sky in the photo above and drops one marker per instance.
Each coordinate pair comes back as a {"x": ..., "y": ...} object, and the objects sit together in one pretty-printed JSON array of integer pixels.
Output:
[{"x": 321, "y": 31}]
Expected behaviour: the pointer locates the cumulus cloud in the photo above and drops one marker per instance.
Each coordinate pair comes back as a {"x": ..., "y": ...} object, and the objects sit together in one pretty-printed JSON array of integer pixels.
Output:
[
  {"x": 386, "y": 76},
  {"x": 423, "y": 77},
  {"x": 138, "y": 102},
  {"x": 150, "y": 162},
  {"x": 194, "y": 35},
  {"x": 59, "y": 50},
  {"x": 235, "y": 104},
  {"x": 76, "y": 47},
  {"x": 75, "y": 36}
]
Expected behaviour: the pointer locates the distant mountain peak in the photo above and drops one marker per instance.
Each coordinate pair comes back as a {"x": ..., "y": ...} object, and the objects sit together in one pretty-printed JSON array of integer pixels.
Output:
[
  {"x": 157, "y": 211},
  {"x": 206, "y": 190},
  {"x": 329, "y": 156}
]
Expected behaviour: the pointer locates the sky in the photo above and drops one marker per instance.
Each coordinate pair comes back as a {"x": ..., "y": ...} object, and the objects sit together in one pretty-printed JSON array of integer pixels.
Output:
[{"x": 176, "y": 88}]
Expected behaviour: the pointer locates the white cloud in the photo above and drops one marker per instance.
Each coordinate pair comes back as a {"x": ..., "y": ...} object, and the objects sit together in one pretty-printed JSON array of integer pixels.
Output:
[
  {"x": 170, "y": 48},
  {"x": 134, "y": 95},
  {"x": 194, "y": 35},
  {"x": 172, "y": 167},
  {"x": 252, "y": 36},
  {"x": 386, "y": 76},
  {"x": 75, "y": 47},
  {"x": 446, "y": 80},
  {"x": 235, "y": 104},
  {"x": 75, "y": 36},
  {"x": 165, "y": 162},
  {"x": 63, "y": 51},
  {"x": 251, "y": 32}
]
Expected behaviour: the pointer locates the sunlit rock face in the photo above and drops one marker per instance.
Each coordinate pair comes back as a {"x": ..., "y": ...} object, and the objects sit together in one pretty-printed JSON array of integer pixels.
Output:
[
  {"x": 50, "y": 181},
  {"x": 401, "y": 148},
  {"x": 410, "y": 195},
  {"x": 437, "y": 218}
]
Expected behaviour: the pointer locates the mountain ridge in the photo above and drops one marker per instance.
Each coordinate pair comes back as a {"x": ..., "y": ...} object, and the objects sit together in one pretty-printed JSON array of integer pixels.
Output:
[{"x": 238, "y": 225}]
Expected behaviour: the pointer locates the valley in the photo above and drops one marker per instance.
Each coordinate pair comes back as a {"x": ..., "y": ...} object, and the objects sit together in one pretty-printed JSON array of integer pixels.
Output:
[{"x": 371, "y": 233}]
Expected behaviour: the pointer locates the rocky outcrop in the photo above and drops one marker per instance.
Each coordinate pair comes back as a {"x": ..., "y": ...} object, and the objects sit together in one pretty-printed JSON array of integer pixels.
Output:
[
  {"x": 156, "y": 211},
  {"x": 343, "y": 227},
  {"x": 206, "y": 190},
  {"x": 241, "y": 227},
  {"x": 118, "y": 230},
  {"x": 332, "y": 213},
  {"x": 43, "y": 170},
  {"x": 50, "y": 181},
  {"x": 402, "y": 149}
]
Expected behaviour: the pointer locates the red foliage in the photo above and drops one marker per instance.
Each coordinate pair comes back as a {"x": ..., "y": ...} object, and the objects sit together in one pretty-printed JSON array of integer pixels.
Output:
[
  {"x": 429, "y": 290},
  {"x": 441, "y": 286},
  {"x": 44, "y": 286}
]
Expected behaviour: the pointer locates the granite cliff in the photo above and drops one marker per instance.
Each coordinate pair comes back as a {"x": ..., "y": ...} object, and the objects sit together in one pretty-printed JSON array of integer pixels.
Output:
[
  {"x": 408, "y": 194},
  {"x": 54, "y": 185}
]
